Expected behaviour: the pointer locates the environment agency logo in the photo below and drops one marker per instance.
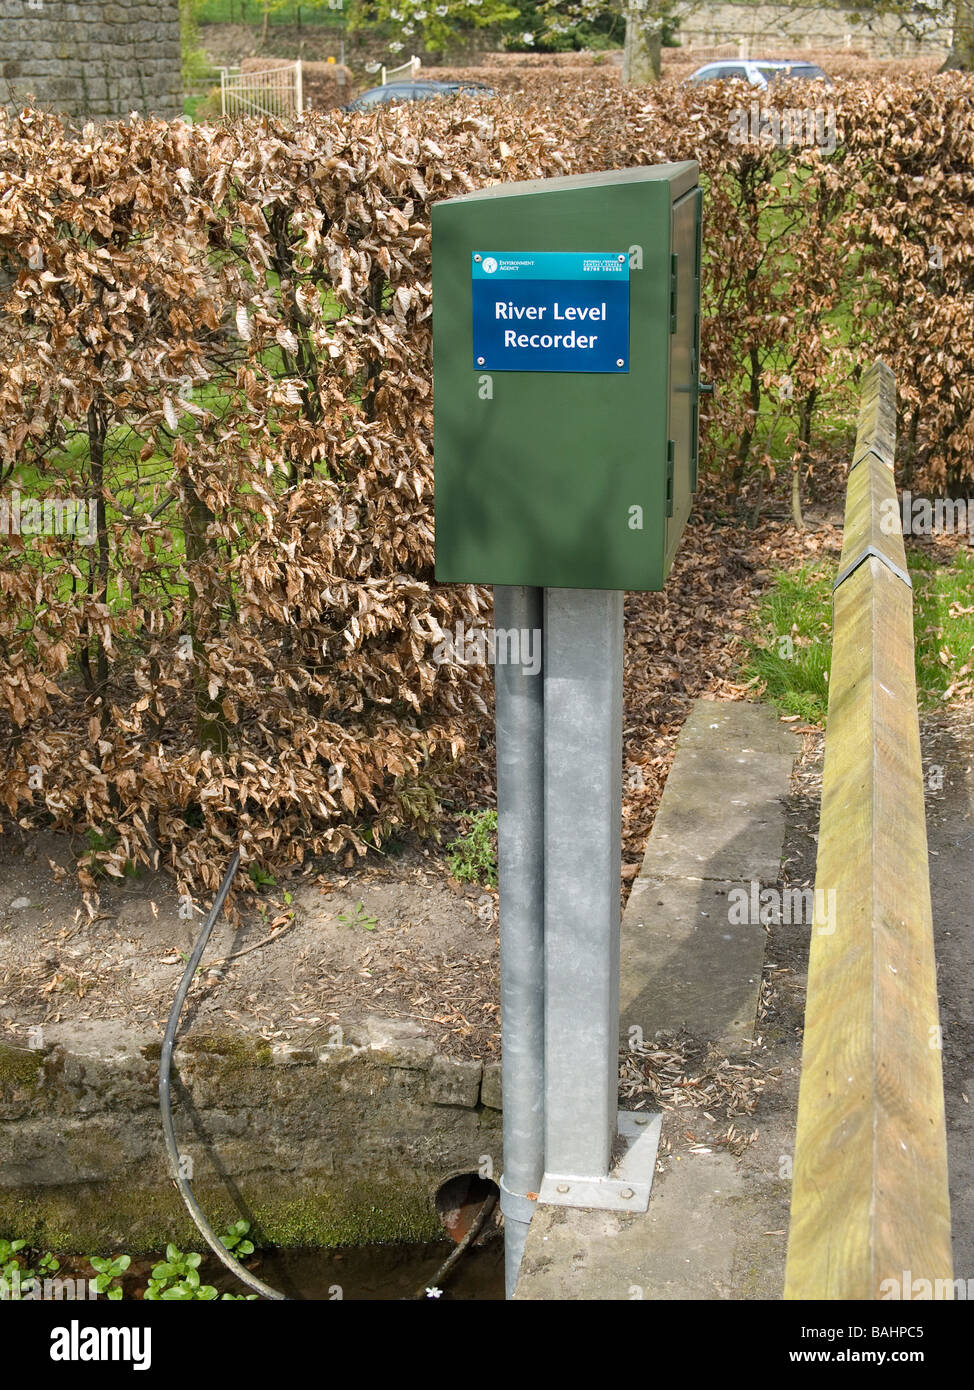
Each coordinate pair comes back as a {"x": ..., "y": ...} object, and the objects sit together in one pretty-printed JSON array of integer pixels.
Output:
[{"x": 489, "y": 265}]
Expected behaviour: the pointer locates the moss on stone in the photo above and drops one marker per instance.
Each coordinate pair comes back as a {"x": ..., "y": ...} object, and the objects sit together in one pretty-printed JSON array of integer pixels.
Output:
[
  {"x": 20, "y": 1066},
  {"x": 100, "y": 1218},
  {"x": 377, "y": 1125},
  {"x": 353, "y": 1214},
  {"x": 230, "y": 1048}
]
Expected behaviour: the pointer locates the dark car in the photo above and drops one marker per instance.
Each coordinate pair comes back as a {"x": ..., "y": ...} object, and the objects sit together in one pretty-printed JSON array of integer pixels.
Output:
[{"x": 414, "y": 91}]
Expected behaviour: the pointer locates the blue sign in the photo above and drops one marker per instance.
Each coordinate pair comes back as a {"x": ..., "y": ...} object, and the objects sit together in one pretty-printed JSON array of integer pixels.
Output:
[{"x": 551, "y": 311}]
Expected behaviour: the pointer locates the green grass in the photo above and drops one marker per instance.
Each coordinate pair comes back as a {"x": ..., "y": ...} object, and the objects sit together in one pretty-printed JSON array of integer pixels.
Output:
[
  {"x": 473, "y": 856},
  {"x": 944, "y": 631},
  {"x": 251, "y": 12},
  {"x": 790, "y": 645}
]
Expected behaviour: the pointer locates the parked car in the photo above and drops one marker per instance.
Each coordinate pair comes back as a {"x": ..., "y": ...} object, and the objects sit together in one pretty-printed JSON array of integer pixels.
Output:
[
  {"x": 758, "y": 72},
  {"x": 414, "y": 91}
]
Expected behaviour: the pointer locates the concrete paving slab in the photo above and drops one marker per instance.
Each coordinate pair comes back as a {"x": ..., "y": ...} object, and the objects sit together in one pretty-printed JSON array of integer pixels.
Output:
[
  {"x": 680, "y": 1249},
  {"x": 720, "y": 827},
  {"x": 685, "y": 964},
  {"x": 722, "y": 812},
  {"x": 755, "y": 727}
]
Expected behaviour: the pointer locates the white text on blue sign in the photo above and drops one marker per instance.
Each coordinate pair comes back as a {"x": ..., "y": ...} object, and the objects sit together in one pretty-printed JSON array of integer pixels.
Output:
[{"x": 551, "y": 289}]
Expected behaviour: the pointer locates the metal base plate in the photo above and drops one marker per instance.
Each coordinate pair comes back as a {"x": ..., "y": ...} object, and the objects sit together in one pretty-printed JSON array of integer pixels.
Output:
[{"x": 627, "y": 1185}]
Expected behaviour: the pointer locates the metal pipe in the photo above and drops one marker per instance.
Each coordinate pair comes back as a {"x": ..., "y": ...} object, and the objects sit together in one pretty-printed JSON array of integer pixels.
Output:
[{"x": 520, "y": 857}]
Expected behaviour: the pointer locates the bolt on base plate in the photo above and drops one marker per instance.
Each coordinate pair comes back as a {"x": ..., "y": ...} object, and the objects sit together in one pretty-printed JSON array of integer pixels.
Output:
[{"x": 627, "y": 1186}]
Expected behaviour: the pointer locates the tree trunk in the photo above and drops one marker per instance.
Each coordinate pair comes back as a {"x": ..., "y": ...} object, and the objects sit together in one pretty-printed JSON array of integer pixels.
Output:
[
  {"x": 99, "y": 560},
  {"x": 796, "y": 497},
  {"x": 210, "y": 722},
  {"x": 961, "y": 55},
  {"x": 642, "y": 56}
]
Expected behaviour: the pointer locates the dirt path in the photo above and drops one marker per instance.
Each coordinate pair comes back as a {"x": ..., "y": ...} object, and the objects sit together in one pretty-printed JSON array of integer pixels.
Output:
[
  {"x": 396, "y": 936},
  {"x": 948, "y": 755},
  {"x": 947, "y": 741}
]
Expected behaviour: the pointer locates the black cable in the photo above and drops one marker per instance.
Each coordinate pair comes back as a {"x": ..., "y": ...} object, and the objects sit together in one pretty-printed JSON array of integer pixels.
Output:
[{"x": 165, "y": 1099}]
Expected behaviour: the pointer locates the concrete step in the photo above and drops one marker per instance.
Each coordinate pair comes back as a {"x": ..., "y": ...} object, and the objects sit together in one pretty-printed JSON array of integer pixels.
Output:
[{"x": 687, "y": 961}]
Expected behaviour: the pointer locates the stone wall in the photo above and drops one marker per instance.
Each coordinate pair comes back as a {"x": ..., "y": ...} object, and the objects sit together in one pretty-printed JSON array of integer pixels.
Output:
[
  {"x": 768, "y": 30},
  {"x": 325, "y": 1145},
  {"x": 96, "y": 58}
]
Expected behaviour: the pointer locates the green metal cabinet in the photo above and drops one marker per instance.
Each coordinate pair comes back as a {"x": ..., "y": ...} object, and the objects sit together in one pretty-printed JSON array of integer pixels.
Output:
[{"x": 560, "y": 466}]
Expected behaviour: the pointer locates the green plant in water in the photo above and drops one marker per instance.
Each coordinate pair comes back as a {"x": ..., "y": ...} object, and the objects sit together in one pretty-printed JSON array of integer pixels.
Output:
[
  {"x": 107, "y": 1273},
  {"x": 12, "y": 1271},
  {"x": 235, "y": 1239},
  {"x": 17, "y": 1276},
  {"x": 176, "y": 1279},
  {"x": 473, "y": 856}
]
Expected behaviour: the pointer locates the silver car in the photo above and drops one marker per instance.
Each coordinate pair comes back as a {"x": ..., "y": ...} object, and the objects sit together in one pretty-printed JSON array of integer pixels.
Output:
[{"x": 757, "y": 72}]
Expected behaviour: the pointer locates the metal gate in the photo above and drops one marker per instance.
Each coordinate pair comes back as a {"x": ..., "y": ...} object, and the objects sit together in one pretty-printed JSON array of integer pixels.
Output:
[{"x": 272, "y": 92}]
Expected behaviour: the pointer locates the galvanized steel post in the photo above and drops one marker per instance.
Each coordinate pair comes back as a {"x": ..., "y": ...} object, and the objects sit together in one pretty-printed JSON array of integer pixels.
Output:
[
  {"x": 582, "y": 857},
  {"x": 520, "y": 854}
]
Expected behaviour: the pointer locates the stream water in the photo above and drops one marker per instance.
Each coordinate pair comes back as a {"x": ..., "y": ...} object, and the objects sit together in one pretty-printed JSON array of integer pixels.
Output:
[
  {"x": 374, "y": 1272},
  {"x": 359, "y": 1273}
]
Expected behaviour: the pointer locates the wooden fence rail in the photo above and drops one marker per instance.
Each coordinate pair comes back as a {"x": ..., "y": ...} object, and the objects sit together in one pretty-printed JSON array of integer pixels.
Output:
[{"x": 870, "y": 1208}]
